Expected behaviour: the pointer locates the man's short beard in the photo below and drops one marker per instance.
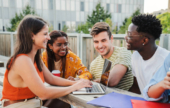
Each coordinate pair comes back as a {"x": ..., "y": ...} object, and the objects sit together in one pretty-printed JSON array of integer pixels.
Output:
[{"x": 107, "y": 52}]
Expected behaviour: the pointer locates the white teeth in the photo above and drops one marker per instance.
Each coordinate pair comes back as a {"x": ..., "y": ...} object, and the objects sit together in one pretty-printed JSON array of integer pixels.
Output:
[
  {"x": 62, "y": 51},
  {"x": 101, "y": 50}
]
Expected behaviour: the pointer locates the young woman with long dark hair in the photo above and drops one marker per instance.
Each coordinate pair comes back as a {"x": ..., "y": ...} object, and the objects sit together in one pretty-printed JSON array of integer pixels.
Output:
[
  {"x": 25, "y": 73},
  {"x": 57, "y": 56}
]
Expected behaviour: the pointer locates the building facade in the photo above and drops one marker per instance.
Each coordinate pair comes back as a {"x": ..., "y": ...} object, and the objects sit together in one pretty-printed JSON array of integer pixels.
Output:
[
  {"x": 162, "y": 10},
  {"x": 68, "y": 12}
]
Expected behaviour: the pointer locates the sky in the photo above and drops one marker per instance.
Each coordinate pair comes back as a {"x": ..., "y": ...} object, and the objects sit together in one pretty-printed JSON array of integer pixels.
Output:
[{"x": 154, "y": 5}]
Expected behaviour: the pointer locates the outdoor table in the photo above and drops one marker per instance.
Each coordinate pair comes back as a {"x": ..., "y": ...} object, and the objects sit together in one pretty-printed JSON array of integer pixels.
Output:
[{"x": 80, "y": 101}]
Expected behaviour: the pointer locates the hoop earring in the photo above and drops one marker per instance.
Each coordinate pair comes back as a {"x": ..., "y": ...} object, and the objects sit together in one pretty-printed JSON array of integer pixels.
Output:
[{"x": 33, "y": 41}]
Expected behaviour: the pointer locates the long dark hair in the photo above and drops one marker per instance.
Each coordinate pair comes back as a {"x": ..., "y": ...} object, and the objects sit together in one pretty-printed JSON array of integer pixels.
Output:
[
  {"x": 50, "y": 54},
  {"x": 24, "y": 43}
]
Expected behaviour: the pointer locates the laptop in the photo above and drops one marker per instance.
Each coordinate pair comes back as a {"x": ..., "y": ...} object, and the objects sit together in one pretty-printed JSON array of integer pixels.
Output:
[{"x": 98, "y": 88}]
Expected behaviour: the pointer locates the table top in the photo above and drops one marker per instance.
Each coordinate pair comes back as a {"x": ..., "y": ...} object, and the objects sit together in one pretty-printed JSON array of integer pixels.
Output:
[{"x": 80, "y": 100}]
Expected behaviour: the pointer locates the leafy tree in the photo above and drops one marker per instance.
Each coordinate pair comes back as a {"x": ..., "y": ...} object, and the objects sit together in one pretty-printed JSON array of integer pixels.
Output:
[
  {"x": 98, "y": 15},
  {"x": 109, "y": 21},
  {"x": 83, "y": 28},
  {"x": 127, "y": 22},
  {"x": 18, "y": 17},
  {"x": 165, "y": 21},
  {"x": 137, "y": 12},
  {"x": 65, "y": 28},
  {"x": 51, "y": 28},
  {"x": 115, "y": 30}
]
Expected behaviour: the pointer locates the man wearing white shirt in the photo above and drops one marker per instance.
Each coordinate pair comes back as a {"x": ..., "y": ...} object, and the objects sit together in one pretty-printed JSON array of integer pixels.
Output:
[{"x": 148, "y": 57}]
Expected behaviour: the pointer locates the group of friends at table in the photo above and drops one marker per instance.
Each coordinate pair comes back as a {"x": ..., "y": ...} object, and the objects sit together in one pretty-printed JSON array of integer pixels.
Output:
[{"x": 146, "y": 71}]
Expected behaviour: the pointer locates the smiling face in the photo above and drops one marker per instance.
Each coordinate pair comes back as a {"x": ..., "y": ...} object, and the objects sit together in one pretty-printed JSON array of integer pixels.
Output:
[
  {"x": 133, "y": 38},
  {"x": 41, "y": 38},
  {"x": 102, "y": 43},
  {"x": 59, "y": 46}
]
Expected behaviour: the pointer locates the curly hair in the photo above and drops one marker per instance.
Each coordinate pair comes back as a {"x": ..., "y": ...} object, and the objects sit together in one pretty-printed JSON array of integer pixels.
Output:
[{"x": 148, "y": 24}]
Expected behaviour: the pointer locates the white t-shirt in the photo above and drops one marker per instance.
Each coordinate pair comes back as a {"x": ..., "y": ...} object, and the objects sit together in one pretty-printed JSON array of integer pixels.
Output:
[{"x": 143, "y": 70}]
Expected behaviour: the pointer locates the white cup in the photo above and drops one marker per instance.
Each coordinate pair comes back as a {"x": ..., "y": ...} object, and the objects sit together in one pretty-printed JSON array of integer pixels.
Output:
[{"x": 56, "y": 73}]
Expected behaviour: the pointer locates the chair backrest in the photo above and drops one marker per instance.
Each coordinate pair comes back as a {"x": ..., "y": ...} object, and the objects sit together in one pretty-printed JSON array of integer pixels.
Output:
[{"x": 165, "y": 41}]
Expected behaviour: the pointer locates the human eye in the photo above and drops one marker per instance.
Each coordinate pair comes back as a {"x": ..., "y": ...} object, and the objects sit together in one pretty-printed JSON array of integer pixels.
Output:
[
  {"x": 46, "y": 33},
  {"x": 95, "y": 41},
  {"x": 58, "y": 44},
  {"x": 66, "y": 43},
  {"x": 104, "y": 40}
]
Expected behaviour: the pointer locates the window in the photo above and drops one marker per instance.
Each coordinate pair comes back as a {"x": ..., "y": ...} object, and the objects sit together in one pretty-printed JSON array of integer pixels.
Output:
[
  {"x": 45, "y": 14},
  {"x": 119, "y": 18},
  {"x": 39, "y": 12},
  {"x": 108, "y": 7},
  {"x": 81, "y": 6},
  {"x": 51, "y": 24},
  {"x": 123, "y": 1},
  {"x": 82, "y": 16},
  {"x": 119, "y": 1},
  {"x": 112, "y": 8},
  {"x": 68, "y": 23},
  {"x": 72, "y": 5},
  {"x": 77, "y": 23},
  {"x": 135, "y": 1},
  {"x": 127, "y": 1},
  {"x": 86, "y": 7},
  {"x": 5, "y": 3},
  {"x": 45, "y": 4},
  {"x": 115, "y": 17},
  {"x": 63, "y": 6},
  {"x": 0, "y": 14},
  {"x": 50, "y": 4},
  {"x": 103, "y": 5},
  {"x": 51, "y": 15},
  {"x": 131, "y": 2},
  {"x": 38, "y": 4},
  {"x": 5, "y": 13},
  {"x": 123, "y": 8},
  {"x": 119, "y": 8},
  {"x": 77, "y": 6},
  {"x": 107, "y": 1},
  {"x": 58, "y": 4},
  {"x": 63, "y": 23},
  {"x": 12, "y": 13},
  {"x": 77, "y": 16},
  {"x": 90, "y": 6},
  {"x": 68, "y": 5},
  {"x": 19, "y": 3},
  {"x": 25, "y": 2},
  {"x": 1, "y": 26},
  {"x": 127, "y": 8},
  {"x": 32, "y": 3},
  {"x": 6, "y": 22},
  {"x": 73, "y": 25}
]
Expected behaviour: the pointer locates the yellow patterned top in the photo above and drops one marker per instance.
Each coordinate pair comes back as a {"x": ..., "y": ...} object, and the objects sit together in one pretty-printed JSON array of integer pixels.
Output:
[{"x": 73, "y": 66}]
